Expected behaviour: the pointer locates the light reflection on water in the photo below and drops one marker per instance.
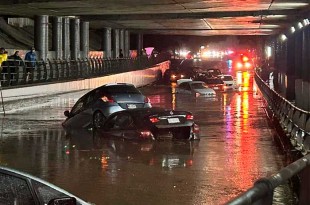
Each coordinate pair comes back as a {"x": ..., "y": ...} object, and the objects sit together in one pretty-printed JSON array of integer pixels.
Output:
[{"x": 236, "y": 149}]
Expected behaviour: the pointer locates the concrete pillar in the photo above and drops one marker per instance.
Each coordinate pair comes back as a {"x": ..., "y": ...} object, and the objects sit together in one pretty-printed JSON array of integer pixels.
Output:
[
  {"x": 75, "y": 38},
  {"x": 127, "y": 44},
  {"x": 116, "y": 43},
  {"x": 140, "y": 43},
  {"x": 66, "y": 38},
  {"x": 107, "y": 42},
  {"x": 122, "y": 40},
  {"x": 57, "y": 36},
  {"x": 84, "y": 39},
  {"x": 41, "y": 36}
]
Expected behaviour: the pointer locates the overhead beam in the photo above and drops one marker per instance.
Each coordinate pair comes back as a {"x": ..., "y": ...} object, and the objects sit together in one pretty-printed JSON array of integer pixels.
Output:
[{"x": 198, "y": 15}]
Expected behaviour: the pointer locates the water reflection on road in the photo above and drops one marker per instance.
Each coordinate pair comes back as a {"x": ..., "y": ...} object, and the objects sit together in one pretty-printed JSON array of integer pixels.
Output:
[{"x": 236, "y": 148}]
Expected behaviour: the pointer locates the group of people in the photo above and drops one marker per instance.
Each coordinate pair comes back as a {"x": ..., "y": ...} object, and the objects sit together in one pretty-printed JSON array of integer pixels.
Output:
[{"x": 30, "y": 58}]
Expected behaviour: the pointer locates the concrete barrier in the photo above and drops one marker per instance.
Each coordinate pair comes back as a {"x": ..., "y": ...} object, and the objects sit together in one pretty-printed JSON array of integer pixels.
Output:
[{"x": 138, "y": 78}]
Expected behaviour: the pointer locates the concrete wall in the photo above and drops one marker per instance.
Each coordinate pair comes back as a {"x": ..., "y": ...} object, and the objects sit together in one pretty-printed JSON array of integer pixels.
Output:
[{"x": 138, "y": 78}]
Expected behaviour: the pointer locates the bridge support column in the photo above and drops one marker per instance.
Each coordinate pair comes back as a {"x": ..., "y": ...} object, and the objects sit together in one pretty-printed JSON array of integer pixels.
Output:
[
  {"x": 122, "y": 40},
  {"x": 66, "y": 38},
  {"x": 84, "y": 39},
  {"x": 41, "y": 36},
  {"x": 57, "y": 36},
  {"x": 107, "y": 45},
  {"x": 140, "y": 44},
  {"x": 75, "y": 38},
  {"x": 116, "y": 43},
  {"x": 127, "y": 44}
]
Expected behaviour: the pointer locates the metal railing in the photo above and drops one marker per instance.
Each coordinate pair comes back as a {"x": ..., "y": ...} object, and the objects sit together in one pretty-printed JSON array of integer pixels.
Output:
[
  {"x": 262, "y": 191},
  {"x": 294, "y": 122},
  {"x": 14, "y": 73}
]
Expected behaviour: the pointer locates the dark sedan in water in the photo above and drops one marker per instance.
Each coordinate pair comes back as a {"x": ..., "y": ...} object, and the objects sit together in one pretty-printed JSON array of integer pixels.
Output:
[
  {"x": 151, "y": 124},
  {"x": 92, "y": 109}
]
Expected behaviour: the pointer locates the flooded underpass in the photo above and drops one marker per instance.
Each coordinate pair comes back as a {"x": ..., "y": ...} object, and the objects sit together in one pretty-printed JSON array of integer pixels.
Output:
[{"x": 236, "y": 148}]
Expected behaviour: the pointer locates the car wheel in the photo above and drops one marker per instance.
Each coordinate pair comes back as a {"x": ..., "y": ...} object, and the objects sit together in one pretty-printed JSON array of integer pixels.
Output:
[{"x": 98, "y": 119}]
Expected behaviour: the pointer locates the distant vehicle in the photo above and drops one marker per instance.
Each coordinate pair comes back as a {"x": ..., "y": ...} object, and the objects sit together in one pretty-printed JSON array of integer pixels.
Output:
[
  {"x": 173, "y": 75},
  {"x": 215, "y": 83},
  {"x": 150, "y": 124},
  {"x": 183, "y": 80},
  {"x": 197, "y": 88},
  {"x": 215, "y": 72},
  {"x": 94, "y": 107},
  {"x": 17, "y": 187},
  {"x": 170, "y": 75},
  {"x": 229, "y": 81}
]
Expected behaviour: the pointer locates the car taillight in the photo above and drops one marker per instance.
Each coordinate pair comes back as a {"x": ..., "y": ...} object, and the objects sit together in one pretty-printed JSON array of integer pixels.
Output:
[
  {"x": 195, "y": 128},
  {"x": 154, "y": 119},
  {"x": 146, "y": 134},
  {"x": 147, "y": 100},
  {"x": 106, "y": 99},
  {"x": 189, "y": 117}
]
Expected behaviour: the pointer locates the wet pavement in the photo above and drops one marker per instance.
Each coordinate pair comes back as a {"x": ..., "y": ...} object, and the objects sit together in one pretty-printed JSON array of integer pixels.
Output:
[{"x": 236, "y": 149}]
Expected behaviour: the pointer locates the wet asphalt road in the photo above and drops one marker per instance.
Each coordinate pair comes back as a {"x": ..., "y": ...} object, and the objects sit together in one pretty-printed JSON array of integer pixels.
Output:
[{"x": 236, "y": 149}]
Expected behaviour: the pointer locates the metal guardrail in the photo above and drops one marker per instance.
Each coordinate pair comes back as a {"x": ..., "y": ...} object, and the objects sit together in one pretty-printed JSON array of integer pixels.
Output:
[
  {"x": 294, "y": 121},
  {"x": 296, "y": 124},
  {"x": 16, "y": 73},
  {"x": 262, "y": 191}
]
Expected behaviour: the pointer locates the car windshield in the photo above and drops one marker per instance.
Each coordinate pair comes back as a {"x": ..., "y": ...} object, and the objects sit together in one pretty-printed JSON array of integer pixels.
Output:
[
  {"x": 227, "y": 78},
  {"x": 198, "y": 86},
  {"x": 122, "y": 89}
]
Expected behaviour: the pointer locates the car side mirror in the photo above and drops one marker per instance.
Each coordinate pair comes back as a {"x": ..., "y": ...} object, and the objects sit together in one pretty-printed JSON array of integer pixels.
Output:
[
  {"x": 67, "y": 113},
  {"x": 63, "y": 201}
]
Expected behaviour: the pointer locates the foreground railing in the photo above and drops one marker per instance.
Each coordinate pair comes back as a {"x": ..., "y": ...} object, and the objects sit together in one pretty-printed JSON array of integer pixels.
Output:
[
  {"x": 294, "y": 122},
  {"x": 24, "y": 72},
  {"x": 262, "y": 191}
]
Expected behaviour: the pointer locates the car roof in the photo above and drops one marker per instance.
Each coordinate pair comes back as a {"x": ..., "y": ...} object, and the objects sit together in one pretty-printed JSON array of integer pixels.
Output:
[{"x": 106, "y": 85}]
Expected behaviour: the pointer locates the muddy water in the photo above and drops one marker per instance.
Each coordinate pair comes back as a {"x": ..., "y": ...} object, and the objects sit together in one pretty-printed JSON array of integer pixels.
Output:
[{"x": 236, "y": 148}]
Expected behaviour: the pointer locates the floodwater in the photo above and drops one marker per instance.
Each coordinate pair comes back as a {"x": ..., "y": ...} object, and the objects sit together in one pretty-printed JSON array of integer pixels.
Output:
[{"x": 236, "y": 149}]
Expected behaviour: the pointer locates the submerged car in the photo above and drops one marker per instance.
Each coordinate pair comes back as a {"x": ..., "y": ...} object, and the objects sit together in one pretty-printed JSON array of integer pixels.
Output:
[
  {"x": 95, "y": 106},
  {"x": 229, "y": 81},
  {"x": 20, "y": 188},
  {"x": 215, "y": 83},
  {"x": 151, "y": 124},
  {"x": 196, "y": 88}
]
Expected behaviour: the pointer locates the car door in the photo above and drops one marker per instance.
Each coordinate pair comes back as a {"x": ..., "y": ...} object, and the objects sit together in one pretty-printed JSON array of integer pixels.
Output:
[{"x": 81, "y": 113}]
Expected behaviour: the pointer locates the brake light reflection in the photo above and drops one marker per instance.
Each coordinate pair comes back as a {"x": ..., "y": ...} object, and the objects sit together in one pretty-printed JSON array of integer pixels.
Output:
[{"x": 146, "y": 134}]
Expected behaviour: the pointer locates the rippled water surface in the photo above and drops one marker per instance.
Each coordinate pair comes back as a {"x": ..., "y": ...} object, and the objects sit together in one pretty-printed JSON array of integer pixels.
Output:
[{"x": 236, "y": 149}]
